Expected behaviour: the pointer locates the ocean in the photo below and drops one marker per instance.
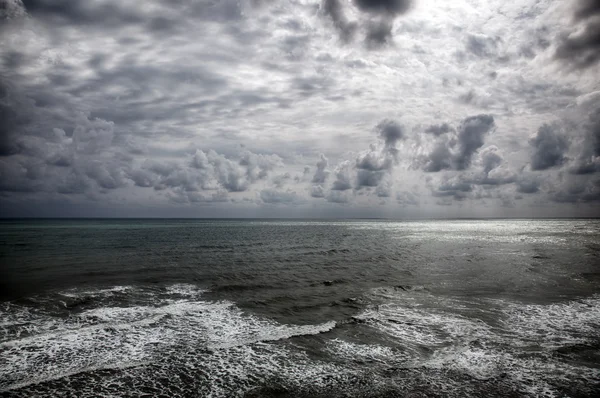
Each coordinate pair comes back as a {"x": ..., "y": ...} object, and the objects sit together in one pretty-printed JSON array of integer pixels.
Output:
[{"x": 290, "y": 308}]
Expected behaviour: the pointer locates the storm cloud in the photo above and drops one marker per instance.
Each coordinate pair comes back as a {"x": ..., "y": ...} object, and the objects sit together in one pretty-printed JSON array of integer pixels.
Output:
[
  {"x": 393, "y": 7},
  {"x": 204, "y": 108},
  {"x": 549, "y": 147},
  {"x": 581, "y": 47},
  {"x": 378, "y": 31},
  {"x": 455, "y": 152},
  {"x": 335, "y": 10}
]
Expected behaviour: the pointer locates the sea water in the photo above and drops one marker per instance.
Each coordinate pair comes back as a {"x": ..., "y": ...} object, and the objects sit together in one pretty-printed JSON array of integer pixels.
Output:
[{"x": 289, "y": 308}]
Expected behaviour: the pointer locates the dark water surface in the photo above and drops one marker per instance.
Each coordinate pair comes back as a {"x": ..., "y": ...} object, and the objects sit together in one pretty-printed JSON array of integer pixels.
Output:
[{"x": 228, "y": 308}]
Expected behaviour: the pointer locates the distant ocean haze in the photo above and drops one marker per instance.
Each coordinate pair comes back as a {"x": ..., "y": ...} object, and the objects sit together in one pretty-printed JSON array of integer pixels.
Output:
[{"x": 300, "y": 308}]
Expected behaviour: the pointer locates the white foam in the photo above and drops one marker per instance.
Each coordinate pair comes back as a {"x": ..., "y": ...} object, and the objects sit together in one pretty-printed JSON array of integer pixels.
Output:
[
  {"x": 476, "y": 362},
  {"x": 417, "y": 327},
  {"x": 96, "y": 292},
  {"x": 520, "y": 347},
  {"x": 120, "y": 337},
  {"x": 554, "y": 325},
  {"x": 367, "y": 352},
  {"x": 185, "y": 289}
]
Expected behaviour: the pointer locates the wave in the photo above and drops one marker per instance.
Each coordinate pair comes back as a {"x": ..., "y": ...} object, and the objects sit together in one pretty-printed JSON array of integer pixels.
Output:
[
  {"x": 516, "y": 342},
  {"x": 112, "y": 337}
]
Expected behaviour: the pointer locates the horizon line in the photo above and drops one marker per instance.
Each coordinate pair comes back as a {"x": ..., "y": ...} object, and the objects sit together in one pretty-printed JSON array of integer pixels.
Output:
[{"x": 300, "y": 218}]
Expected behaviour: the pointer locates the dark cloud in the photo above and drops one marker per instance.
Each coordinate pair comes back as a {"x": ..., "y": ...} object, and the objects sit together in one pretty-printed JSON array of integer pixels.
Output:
[
  {"x": 214, "y": 197},
  {"x": 587, "y": 8},
  {"x": 10, "y": 9},
  {"x": 481, "y": 46},
  {"x": 81, "y": 12},
  {"x": 106, "y": 176},
  {"x": 528, "y": 184},
  {"x": 142, "y": 178},
  {"x": 103, "y": 13},
  {"x": 456, "y": 151},
  {"x": 440, "y": 158},
  {"x": 581, "y": 48},
  {"x": 73, "y": 183},
  {"x": 374, "y": 160},
  {"x": 378, "y": 34},
  {"x": 455, "y": 188},
  {"x": 385, "y": 7},
  {"x": 588, "y": 160},
  {"x": 334, "y": 9},
  {"x": 471, "y": 135},
  {"x": 439, "y": 129},
  {"x": 494, "y": 171},
  {"x": 579, "y": 191},
  {"x": 375, "y": 164},
  {"x": 367, "y": 178},
  {"x": 391, "y": 132},
  {"x": 550, "y": 146}
]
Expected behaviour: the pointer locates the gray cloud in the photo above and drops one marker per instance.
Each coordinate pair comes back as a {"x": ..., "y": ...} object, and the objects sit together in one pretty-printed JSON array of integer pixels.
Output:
[
  {"x": 455, "y": 152},
  {"x": 581, "y": 48},
  {"x": 391, "y": 132},
  {"x": 374, "y": 160},
  {"x": 190, "y": 103},
  {"x": 588, "y": 160},
  {"x": 490, "y": 158},
  {"x": 317, "y": 191},
  {"x": 440, "y": 158},
  {"x": 406, "y": 198},
  {"x": 273, "y": 196},
  {"x": 481, "y": 45},
  {"x": 494, "y": 171},
  {"x": 384, "y": 189},
  {"x": 578, "y": 191},
  {"x": 337, "y": 196},
  {"x": 109, "y": 176},
  {"x": 81, "y": 12},
  {"x": 454, "y": 188},
  {"x": 378, "y": 33},
  {"x": 347, "y": 29},
  {"x": 368, "y": 178},
  {"x": 375, "y": 164},
  {"x": 587, "y": 8},
  {"x": 528, "y": 184},
  {"x": 439, "y": 129},
  {"x": 343, "y": 179},
  {"x": 549, "y": 147},
  {"x": 385, "y": 7},
  {"x": 471, "y": 135},
  {"x": 280, "y": 180},
  {"x": 321, "y": 173}
]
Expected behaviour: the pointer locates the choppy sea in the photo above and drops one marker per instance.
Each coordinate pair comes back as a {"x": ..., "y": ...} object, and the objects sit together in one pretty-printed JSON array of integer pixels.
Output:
[{"x": 280, "y": 308}]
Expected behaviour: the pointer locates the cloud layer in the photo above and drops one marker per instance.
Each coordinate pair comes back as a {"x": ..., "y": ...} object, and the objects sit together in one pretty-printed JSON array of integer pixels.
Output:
[{"x": 299, "y": 108}]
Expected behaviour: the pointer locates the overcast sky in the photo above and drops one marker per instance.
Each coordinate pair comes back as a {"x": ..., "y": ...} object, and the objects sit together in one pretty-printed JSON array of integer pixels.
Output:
[{"x": 300, "y": 108}]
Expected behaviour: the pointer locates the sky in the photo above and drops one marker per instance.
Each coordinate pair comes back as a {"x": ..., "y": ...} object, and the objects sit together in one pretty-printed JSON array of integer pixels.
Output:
[{"x": 300, "y": 108}]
